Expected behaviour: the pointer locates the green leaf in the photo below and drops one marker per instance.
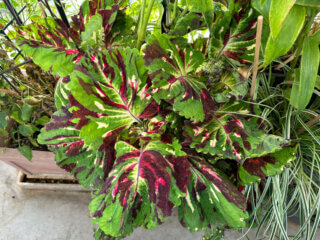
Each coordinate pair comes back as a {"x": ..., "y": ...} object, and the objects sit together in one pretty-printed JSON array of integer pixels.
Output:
[
  {"x": 264, "y": 10},
  {"x": 287, "y": 36},
  {"x": 262, "y": 2},
  {"x": 191, "y": 21},
  {"x": 27, "y": 130},
  {"x": 308, "y": 3},
  {"x": 16, "y": 115},
  {"x": 231, "y": 85},
  {"x": 303, "y": 89},
  {"x": 3, "y": 120},
  {"x": 277, "y": 15},
  {"x": 26, "y": 112},
  {"x": 318, "y": 82},
  {"x": 43, "y": 120},
  {"x": 93, "y": 34},
  {"x": 26, "y": 152},
  {"x": 316, "y": 36},
  {"x": 207, "y": 9}
]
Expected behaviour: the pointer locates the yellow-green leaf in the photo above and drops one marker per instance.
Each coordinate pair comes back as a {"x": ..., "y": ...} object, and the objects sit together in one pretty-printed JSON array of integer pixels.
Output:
[
  {"x": 277, "y": 15},
  {"x": 287, "y": 36},
  {"x": 309, "y": 3},
  {"x": 302, "y": 92}
]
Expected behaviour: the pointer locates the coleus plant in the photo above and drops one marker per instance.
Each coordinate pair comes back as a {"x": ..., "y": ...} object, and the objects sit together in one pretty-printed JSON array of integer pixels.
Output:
[{"x": 164, "y": 126}]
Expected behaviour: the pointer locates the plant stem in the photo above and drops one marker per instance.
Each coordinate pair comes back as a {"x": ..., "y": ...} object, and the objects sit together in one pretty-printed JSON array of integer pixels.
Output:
[
  {"x": 175, "y": 9},
  {"x": 144, "y": 22},
  {"x": 141, "y": 17}
]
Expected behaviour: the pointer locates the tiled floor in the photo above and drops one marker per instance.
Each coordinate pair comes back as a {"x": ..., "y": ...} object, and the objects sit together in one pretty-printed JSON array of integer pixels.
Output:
[{"x": 49, "y": 215}]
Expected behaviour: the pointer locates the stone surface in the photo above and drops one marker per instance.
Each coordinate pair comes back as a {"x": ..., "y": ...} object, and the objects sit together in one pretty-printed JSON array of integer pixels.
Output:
[{"x": 53, "y": 215}]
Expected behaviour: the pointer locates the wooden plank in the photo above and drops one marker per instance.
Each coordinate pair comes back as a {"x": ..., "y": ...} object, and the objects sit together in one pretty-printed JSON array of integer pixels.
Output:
[{"x": 43, "y": 163}]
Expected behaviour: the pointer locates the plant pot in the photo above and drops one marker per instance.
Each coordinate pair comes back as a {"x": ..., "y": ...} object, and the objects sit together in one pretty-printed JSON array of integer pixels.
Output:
[
  {"x": 43, "y": 163},
  {"x": 53, "y": 182}
]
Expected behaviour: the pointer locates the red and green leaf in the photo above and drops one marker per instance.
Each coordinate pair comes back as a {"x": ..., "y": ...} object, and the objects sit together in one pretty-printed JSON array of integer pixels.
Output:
[
  {"x": 233, "y": 132},
  {"x": 171, "y": 65},
  {"x": 210, "y": 198},
  {"x": 89, "y": 167},
  {"x": 234, "y": 32},
  {"x": 140, "y": 191},
  {"x": 255, "y": 169},
  {"x": 112, "y": 84},
  {"x": 55, "y": 47}
]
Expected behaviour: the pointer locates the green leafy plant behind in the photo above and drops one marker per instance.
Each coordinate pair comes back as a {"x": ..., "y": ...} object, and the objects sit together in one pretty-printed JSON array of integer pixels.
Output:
[{"x": 152, "y": 129}]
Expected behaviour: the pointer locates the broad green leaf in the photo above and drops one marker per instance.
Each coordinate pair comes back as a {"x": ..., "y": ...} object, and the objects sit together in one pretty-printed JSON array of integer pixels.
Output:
[
  {"x": 26, "y": 152},
  {"x": 262, "y": 2},
  {"x": 268, "y": 144},
  {"x": 255, "y": 169},
  {"x": 26, "y": 112},
  {"x": 316, "y": 36},
  {"x": 27, "y": 130},
  {"x": 263, "y": 9},
  {"x": 277, "y": 15},
  {"x": 294, "y": 101},
  {"x": 287, "y": 36},
  {"x": 43, "y": 120},
  {"x": 318, "y": 82},
  {"x": 308, "y": 3},
  {"x": 207, "y": 9},
  {"x": 3, "y": 120},
  {"x": 303, "y": 89}
]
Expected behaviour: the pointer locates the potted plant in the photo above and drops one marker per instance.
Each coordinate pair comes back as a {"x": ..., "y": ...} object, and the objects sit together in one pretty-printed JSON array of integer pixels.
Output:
[{"x": 153, "y": 113}]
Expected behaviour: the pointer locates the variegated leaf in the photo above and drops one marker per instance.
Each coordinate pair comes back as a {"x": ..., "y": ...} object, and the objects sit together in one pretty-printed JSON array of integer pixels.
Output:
[
  {"x": 140, "y": 191},
  {"x": 171, "y": 64},
  {"x": 233, "y": 133},
  {"x": 112, "y": 85},
  {"x": 55, "y": 47},
  {"x": 210, "y": 199},
  {"x": 89, "y": 167},
  {"x": 233, "y": 35},
  {"x": 255, "y": 169}
]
